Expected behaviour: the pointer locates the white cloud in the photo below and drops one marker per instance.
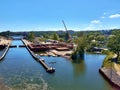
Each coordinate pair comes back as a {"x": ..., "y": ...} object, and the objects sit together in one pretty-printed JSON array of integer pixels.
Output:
[
  {"x": 95, "y": 21},
  {"x": 94, "y": 25},
  {"x": 114, "y": 16}
]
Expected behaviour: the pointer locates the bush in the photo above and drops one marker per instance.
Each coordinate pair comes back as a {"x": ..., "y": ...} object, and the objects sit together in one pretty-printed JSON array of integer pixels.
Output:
[
  {"x": 108, "y": 60},
  {"x": 107, "y": 52}
]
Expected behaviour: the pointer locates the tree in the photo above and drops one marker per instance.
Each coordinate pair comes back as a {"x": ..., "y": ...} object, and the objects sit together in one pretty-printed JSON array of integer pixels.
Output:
[
  {"x": 8, "y": 33},
  {"x": 91, "y": 37},
  {"x": 100, "y": 38},
  {"x": 114, "y": 44},
  {"x": 81, "y": 45},
  {"x": 79, "y": 51},
  {"x": 31, "y": 36},
  {"x": 55, "y": 36}
]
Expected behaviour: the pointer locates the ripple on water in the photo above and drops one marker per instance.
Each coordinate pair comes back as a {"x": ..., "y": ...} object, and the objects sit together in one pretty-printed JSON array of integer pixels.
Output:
[
  {"x": 2, "y": 85},
  {"x": 22, "y": 83}
]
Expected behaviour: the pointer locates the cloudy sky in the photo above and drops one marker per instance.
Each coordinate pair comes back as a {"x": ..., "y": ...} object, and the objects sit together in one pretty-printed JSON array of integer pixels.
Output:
[{"x": 41, "y": 15}]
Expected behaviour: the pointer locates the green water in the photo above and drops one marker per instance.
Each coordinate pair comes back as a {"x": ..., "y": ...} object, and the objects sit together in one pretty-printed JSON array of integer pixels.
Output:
[{"x": 19, "y": 71}]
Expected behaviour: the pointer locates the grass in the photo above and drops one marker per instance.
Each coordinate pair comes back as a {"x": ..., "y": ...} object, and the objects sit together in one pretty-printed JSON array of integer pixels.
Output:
[{"x": 107, "y": 61}]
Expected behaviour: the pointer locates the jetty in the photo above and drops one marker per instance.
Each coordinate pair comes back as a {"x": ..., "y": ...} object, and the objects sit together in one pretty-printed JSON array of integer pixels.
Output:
[{"x": 48, "y": 69}]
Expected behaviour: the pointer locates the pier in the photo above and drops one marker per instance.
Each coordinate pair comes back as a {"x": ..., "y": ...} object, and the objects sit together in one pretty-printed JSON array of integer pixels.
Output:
[{"x": 48, "y": 69}]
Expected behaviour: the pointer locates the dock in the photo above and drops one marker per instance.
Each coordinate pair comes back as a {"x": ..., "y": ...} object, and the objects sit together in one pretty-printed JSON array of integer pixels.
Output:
[{"x": 48, "y": 69}]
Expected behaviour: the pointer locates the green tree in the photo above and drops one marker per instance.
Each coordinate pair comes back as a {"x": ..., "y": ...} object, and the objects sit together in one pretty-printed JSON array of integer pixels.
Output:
[
  {"x": 91, "y": 37},
  {"x": 114, "y": 44},
  {"x": 115, "y": 31},
  {"x": 94, "y": 44},
  {"x": 31, "y": 36},
  {"x": 8, "y": 33},
  {"x": 55, "y": 36},
  {"x": 79, "y": 50},
  {"x": 100, "y": 38}
]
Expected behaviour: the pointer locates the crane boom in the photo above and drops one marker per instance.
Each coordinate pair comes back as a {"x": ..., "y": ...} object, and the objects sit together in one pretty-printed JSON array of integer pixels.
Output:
[{"x": 64, "y": 25}]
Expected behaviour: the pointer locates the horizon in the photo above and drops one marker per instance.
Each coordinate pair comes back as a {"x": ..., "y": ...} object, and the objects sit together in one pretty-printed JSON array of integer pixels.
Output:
[
  {"x": 59, "y": 30},
  {"x": 38, "y": 15}
]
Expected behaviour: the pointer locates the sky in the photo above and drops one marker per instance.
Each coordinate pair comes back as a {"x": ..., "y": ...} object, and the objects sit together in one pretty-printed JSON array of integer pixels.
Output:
[{"x": 44, "y": 15}]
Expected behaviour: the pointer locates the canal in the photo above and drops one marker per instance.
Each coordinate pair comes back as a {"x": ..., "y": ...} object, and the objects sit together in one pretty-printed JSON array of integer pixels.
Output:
[{"x": 19, "y": 71}]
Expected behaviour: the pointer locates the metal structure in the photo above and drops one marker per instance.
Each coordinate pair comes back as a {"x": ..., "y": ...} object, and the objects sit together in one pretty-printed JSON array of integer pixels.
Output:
[
  {"x": 69, "y": 36},
  {"x": 64, "y": 25}
]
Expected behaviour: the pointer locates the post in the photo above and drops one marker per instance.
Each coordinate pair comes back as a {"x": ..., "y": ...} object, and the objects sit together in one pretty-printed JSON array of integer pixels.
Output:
[{"x": 111, "y": 72}]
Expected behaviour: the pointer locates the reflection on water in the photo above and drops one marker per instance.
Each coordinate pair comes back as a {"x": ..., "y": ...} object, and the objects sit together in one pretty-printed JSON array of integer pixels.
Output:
[
  {"x": 79, "y": 66},
  {"x": 19, "y": 71}
]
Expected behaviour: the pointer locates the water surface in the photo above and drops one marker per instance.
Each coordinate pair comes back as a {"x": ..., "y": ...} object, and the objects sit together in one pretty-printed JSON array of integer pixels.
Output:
[{"x": 19, "y": 71}]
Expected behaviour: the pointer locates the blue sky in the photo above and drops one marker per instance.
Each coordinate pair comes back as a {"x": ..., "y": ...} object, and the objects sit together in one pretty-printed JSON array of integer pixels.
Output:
[{"x": 42, "y": 15}]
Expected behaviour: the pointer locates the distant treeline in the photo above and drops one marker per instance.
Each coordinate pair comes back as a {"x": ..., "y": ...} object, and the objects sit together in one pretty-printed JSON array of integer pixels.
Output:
[{"x": 59, "y": 32}]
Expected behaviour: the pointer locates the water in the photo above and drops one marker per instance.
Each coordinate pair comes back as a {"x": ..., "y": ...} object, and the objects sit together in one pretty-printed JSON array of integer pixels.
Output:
[{"x": 19, "y": 71}]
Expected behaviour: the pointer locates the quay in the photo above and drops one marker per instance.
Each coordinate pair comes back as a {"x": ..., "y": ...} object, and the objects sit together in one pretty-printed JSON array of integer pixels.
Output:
[
  {"x": 111, "y": 76},
  {"x": 48, "y": 69}
]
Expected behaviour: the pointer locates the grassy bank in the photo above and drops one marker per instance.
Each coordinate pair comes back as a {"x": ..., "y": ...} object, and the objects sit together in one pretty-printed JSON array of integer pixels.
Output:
[{"x": 107, "y": 63}]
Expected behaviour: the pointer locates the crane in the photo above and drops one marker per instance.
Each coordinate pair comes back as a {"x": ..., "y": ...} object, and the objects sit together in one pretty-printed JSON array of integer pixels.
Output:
[{"x": 68, "y": 36}]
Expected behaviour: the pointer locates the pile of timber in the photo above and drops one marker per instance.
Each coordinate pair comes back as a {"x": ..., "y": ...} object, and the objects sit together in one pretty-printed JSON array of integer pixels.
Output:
[{"x": 45, "y": 47}]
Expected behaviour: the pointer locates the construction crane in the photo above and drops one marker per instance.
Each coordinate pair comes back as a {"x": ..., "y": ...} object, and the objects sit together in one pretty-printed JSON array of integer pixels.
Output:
[{"x": 64, "y": 25}]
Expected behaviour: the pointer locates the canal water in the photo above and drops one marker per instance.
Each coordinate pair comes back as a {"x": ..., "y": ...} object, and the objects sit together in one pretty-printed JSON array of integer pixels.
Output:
[{"x": 19, "y": 71}]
